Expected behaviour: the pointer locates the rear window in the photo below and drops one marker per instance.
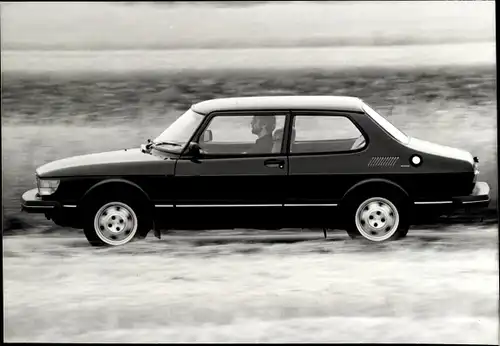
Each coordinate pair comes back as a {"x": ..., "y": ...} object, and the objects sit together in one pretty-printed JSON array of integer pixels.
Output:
[{"x": 386, "y": 125}]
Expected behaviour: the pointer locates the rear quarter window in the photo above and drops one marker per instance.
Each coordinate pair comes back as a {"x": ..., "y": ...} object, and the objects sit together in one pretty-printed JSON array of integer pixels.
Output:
[{"x": 324, "y": 133}]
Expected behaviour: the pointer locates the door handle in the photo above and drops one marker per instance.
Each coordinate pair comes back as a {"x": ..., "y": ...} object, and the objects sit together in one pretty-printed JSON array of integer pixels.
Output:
[{"x": 275, "y": 163}]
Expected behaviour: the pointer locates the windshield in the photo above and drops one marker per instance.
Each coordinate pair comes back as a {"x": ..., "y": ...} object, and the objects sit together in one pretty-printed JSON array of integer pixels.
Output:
[
  {"x": 180, "y": 131},
  {"x": 386, "y": 125}
]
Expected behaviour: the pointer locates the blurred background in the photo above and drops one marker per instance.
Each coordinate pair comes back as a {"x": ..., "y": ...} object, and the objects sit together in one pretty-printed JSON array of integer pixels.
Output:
[{"x": 80, "y": 77}]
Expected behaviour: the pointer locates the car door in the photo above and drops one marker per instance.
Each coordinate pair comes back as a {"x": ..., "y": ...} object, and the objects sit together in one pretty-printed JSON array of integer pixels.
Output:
[
  {"x": 324, "y": 157},
  {"x": 229, "y": 172}
]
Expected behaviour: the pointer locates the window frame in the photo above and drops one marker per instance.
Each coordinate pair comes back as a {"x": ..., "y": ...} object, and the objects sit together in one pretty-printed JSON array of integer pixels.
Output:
[
  {"x": 226, "y": 113},
  {"x": 317, "y": 113}
]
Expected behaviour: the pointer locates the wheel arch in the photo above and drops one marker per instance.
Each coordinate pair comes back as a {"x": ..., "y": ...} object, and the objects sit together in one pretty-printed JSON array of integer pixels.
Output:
[
  {"x": 373, "y": 183},
  {"x": 120, "y": 185}
]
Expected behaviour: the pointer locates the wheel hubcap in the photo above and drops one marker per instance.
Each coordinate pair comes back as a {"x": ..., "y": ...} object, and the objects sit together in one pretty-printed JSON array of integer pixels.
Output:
[
  {"x": 377, "y": 219},
  {"x": 115, "y": 223}
]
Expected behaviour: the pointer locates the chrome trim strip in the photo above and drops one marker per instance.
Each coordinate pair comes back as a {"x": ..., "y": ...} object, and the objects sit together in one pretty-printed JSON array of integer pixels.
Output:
[
  {"x": 69, "y": 206},
  {"x": 435, "y": 202},
  {"x": 312, "y": 205},
  {"x": 245, "y": 205},
  {"x": 226, "y": 205},
  {"x": 481, "y": 201},
  {"x": 39, "y": 206}
]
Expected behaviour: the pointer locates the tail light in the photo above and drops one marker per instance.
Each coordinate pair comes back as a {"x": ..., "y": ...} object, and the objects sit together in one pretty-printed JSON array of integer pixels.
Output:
[{"x": 476, "y": 168}]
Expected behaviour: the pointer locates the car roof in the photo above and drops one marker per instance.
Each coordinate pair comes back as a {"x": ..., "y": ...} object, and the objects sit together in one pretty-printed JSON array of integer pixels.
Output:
[{"x": 339, "y": 103}]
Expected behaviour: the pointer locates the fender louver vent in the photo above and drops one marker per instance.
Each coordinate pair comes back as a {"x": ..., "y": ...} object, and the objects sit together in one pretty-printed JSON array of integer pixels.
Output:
[{"x": 383, "y": 161}]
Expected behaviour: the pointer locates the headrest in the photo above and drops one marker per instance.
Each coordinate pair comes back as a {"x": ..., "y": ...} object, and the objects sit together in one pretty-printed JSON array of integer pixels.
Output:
[{"x": 278, "y": 133}]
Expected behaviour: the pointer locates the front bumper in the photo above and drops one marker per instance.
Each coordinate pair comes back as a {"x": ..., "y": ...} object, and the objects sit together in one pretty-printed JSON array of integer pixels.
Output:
[{"x": 31, "y": 202}]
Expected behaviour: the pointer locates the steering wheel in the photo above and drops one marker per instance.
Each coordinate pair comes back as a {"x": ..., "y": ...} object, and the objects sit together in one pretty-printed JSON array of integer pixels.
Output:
[{"x": 358, "y": 143}]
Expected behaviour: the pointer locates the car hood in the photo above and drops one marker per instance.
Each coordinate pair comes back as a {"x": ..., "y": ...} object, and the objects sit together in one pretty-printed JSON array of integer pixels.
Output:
[
  {"x": 111, "y": 163},
  {"x": 440, "y": 150}
]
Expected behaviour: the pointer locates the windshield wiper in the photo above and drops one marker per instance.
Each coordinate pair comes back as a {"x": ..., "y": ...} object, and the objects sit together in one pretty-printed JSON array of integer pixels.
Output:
[
  {"x": 154, "y": 144},
  {"x": 150, "y": 144}
]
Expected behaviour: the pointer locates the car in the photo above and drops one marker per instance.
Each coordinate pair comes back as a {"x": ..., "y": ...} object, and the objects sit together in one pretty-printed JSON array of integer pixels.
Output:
[{"x": 263, "y": 162}]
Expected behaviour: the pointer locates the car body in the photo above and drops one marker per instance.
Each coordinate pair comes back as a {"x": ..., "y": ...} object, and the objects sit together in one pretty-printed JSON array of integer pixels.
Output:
[{"x": 334, "y": 162}]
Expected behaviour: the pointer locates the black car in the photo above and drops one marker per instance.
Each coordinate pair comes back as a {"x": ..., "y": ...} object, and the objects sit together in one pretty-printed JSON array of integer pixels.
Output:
[{"x": 262, "y": 162}]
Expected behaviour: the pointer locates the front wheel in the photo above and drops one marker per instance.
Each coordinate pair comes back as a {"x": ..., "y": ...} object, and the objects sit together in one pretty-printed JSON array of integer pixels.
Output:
[
  {"x": 378, "y": 219},
  {"x": 113, "y": 222}
]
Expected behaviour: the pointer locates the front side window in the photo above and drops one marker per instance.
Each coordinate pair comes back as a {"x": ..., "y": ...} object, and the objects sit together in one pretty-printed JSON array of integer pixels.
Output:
[
  {"x": 244, "y": 134},
  {"x": 325, "y": 133},
  {"x": 177, "y": 135}
]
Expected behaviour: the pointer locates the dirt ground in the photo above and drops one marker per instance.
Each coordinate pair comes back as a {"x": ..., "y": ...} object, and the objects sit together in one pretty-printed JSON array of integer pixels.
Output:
[{"x": 432, "y": 287}]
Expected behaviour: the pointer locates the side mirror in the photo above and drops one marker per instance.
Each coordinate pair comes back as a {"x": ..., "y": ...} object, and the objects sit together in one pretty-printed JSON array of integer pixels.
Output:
[
  {"x": 194, "y": 149},
  {"x": 207, "y": 136}
]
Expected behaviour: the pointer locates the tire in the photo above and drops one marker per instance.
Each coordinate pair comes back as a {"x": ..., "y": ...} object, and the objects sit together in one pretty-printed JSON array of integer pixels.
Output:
[
  {"x": 377, "y": 217},
  {"x": 116, "y": 221}
]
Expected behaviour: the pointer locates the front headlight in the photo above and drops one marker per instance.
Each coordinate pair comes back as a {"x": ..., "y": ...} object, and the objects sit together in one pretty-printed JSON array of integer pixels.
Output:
[{"x": 47, "y": 187}]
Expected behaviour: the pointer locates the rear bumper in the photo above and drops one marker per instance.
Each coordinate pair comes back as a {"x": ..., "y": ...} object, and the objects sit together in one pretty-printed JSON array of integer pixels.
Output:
[
  {"x": 478, "y": 199},
  {"x": 480, "y": 196},
  {"x": 32, "y": 203}
]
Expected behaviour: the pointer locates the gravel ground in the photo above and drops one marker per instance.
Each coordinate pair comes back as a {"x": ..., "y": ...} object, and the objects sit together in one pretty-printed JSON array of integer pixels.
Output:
[{"x": 434, "y": 287}]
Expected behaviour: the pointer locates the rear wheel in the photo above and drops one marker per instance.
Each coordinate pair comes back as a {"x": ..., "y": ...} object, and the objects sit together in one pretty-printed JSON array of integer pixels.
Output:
[
  {"x": 378, "y": 218},
  {"x": 115, "y": 221}
]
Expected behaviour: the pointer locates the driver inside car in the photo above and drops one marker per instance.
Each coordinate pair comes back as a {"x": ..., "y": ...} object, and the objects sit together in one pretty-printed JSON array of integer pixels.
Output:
[{"x": 263, "y": 126}]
